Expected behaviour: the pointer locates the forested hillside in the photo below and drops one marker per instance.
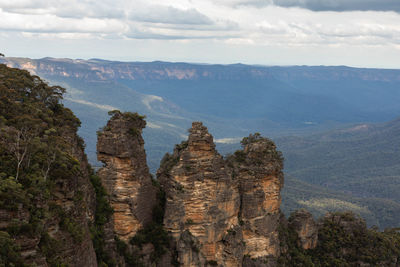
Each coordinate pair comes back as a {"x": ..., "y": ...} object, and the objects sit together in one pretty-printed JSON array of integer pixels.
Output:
[
  {"x": 357, "y": 168},
  {"x": 46, "y": 196}
]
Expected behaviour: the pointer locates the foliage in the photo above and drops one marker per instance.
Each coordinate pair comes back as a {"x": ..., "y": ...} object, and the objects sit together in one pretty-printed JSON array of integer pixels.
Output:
[
  {"x": 362, "y": 161},
  {"x": 156, "y": 235},
  {"x": 9, "y": 251},
  {"x": 252, "y": 138},
  {"x": 49, "y": 247},
  {"x": 154, "y": 232},
  {"x": 257, "y": 151},
  {"x": 113, "y": 112},
  {"x": 319, "y": 200},
  {"x": 134, "y": 116},
  {"x": 37, "y": 143},
  {"x": 102, "y": 216},
  {"x": 343, "y": 240},
  {"x": 168, "y": 162}
]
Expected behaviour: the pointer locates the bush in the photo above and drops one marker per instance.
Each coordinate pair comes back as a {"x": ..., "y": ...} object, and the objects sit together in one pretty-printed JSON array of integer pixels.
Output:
[{"x": 9, "y": 251}]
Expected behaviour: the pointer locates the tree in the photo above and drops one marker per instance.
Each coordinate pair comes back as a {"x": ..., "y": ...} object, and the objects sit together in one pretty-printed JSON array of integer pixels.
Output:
[
  {"x": 18, "y": 142},
  {"x": 1, "y": 55}
]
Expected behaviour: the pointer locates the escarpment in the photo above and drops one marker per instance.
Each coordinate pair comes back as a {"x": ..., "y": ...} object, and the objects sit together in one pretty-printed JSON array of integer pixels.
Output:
[{"x": 125, "y": 174}]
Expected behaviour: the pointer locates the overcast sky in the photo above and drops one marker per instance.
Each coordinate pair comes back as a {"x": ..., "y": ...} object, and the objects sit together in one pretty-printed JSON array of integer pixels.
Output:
[{"x": 270, "y": 32}]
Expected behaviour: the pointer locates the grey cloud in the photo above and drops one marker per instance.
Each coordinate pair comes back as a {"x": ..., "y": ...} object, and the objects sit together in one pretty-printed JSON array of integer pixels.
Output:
[
  {"x": 136, "y": 33},
  {"x": 323, "y": 5},
  {"x": 218, "y": 26},
  {"x": 79, "y": 10},
  {"x": 170, "y": 15},
  {"x": 342, "y": 5}
]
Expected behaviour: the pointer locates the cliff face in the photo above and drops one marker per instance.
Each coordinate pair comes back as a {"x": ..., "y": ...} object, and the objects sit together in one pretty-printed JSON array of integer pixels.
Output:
[
  {"x": 102, "y": 70},
  {"x": 47, "y": 202},
  {"x": 202, "y": 201},
  {"x": 225, "y": 209},
  {"x": 306, "y": 228},
  {"x": 56, "y": 229},
  {"x": 77, "y": 199},
  {"x": 259, "y": 170},
  {"x": 125, "y": 174}
]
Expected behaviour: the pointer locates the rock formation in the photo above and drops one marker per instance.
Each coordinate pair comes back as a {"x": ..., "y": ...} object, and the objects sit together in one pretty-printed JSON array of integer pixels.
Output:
[
  {"x": 259, "y": 171},
  {"x": 125, "y": 174},
  {"x": 306, "y": 228},
  {"x": 225, "y": 209},
  {"x": 202, "y": 201}
]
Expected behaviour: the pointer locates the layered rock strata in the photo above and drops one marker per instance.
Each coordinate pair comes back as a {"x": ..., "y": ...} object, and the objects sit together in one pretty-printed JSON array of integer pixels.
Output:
[
  {"x": 125, "y": 174},
  {"x": 202, "y": 204},
  {"x": 259, "y": 171},
  {"x": 222, "y": 212}
]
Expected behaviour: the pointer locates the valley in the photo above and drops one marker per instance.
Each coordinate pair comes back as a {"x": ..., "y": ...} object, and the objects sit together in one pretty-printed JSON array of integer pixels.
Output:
[{"x": 329, "y": 122}]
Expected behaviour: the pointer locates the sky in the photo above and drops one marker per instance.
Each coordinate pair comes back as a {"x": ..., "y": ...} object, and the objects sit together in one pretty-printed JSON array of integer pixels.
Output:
[{"x": 362, "y": 33}]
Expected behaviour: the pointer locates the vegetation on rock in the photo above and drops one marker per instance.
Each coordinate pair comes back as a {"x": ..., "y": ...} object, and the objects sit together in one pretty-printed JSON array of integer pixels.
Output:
[
  {"x": 38, "y": 150},
  {"x": 343, "y": 240}
]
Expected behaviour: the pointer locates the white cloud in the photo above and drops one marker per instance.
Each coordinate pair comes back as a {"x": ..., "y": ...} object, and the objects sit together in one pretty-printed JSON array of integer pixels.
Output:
[
  {"x": 223, "y": 23},
  {"x": 169, "y": 15}
]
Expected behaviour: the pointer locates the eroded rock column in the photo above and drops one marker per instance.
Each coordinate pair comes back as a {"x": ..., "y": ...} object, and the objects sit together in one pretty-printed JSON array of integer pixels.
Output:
[
  {"x": 202, "y": 204},
  {"x": 259, "y": 170},
  {"x": 125, "y": 174}
]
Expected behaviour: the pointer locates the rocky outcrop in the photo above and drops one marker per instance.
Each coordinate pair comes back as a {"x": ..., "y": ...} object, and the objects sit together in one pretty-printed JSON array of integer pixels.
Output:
[
  {"x": 222, "y": 212},
  {"x": 258, "y": 168},
  {"x": 77, "y": 199},
  {"x": 125, "y": 174},
  {"x": 306, "y": 228},
  {"x": 56, "y": 230},
  {"x": 202, "y": 201}
]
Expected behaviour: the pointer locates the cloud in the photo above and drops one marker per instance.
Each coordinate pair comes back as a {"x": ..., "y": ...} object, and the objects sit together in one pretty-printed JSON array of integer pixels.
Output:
[
  {"x": 227, "y": 22},
  {"x": 65, "y": 8},
  {"x": 341, "y": 5},
  {"x": 321, "y": 5},
  {"x": 169, "y": 15}
]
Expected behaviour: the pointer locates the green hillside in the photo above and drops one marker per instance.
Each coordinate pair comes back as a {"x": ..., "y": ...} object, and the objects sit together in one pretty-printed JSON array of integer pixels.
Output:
[
  {"x": 358, "y": 165},
  {"x": 318, "y": 200}
]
